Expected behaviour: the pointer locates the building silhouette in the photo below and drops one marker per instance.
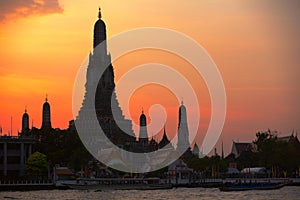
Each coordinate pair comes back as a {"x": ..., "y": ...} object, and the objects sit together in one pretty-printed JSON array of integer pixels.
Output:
[
  {"x": 25, "y": 122},
  {"x": 100, "y": 106},
  {"x": 153, "y": 145},
  {"x": 143, "y": 136},
  {"x": 183, "y": 133},
  {"x": 100, "y": 96},
  {"x": 164, "y": 141},
  {"x": 46, "y": 119},
  {"x": 239, "y": 147}
]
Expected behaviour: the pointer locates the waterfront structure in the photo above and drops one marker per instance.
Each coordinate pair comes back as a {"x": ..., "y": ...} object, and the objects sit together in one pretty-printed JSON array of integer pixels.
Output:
[
  {"x": 14, "y": 152},
  {"x": 62, "y": 176},
  {"x": 179, "y": 173},
  {"x": 25, "y": 122},
  {"x": 239, "y": 147},
  {"x": 46, "y": 121}
]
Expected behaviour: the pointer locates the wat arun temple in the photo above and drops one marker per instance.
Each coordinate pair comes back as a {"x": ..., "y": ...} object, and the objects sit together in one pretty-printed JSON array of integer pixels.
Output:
[{"x": 100, "y": 106}]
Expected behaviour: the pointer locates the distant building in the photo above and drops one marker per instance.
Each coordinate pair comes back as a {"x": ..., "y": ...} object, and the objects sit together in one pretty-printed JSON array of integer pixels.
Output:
[
  {"x": 289, "y": 139},
  {"x": 14, "y": 151},
  {"x": 179, "y": 173},
  {"x": 46, "y": 121},
  {"x": 183, "y": 143},
  {"x": 232, "y": 165},
  {"x": 63, "y": 175},
  {"x": 239, "y": 147},
  {"x": 254, "y": 170},
  {"x": 25, "y": 122}
]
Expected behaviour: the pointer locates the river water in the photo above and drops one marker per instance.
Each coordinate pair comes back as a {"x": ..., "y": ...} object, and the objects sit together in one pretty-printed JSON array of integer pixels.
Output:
[{"x": 285, "y": 193}]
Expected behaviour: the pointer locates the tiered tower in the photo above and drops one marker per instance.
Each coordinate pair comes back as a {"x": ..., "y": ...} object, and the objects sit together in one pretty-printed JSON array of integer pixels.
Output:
[
  {"x": 101, "y": 91},
  {"x": 46, "y": 123},
  {"x": 25, "y": 122},
  {"x": 183, "y": 133},
  {"x": 143, "y": 136}
]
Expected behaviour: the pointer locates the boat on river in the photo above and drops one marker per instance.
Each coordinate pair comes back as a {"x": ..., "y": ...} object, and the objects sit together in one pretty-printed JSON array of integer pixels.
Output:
[
  {"x": 119, "y": 184},
  {"x": 251, "y": 186}
]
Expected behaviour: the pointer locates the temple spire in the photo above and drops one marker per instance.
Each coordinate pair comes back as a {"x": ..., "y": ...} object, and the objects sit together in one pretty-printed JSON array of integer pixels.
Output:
[
  {"x": 222, "y": 150},
  {"x": 46, "y": 117},
  {"x": 99, "y": 13}
]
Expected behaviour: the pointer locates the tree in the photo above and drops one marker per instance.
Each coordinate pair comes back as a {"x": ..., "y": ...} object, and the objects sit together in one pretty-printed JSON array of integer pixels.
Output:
[
  {"x": 266, "y": 143},
  {"x": 247, "y": 159},
  {"x": 277, "y": 155},
  {"x": 37, "y": 164}
]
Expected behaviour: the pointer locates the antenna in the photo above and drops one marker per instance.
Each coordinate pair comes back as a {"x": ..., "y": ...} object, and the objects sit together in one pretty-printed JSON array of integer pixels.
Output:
[{"x": 11, "y": 126}]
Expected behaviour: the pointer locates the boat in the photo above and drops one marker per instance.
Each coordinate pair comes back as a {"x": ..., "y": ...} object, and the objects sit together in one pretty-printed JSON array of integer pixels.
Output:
[
  {"x": 119, "y": 184},
  {"x": 250, "y": 186}
]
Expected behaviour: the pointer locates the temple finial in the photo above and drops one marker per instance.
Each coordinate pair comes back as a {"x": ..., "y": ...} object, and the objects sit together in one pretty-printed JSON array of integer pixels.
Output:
[
  {"x": 46, "y": 98},
  {"x": 142, "y": 110},
  {"x": 182, "y": 101},
  {"x": 25, "y": 109},
  {"x": 99, "y": 13}
]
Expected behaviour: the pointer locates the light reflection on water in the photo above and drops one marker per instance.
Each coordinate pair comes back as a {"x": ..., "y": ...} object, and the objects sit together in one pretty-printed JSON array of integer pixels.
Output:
[{"x": 286, "y": 193}]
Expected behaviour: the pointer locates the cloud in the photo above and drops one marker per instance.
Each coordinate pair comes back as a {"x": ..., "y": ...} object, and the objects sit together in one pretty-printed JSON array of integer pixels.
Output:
[{"x": 16, "y": 8}]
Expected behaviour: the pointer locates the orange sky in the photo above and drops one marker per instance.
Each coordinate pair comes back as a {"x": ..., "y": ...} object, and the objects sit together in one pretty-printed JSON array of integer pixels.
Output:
[{"x": 255, "y": 44}]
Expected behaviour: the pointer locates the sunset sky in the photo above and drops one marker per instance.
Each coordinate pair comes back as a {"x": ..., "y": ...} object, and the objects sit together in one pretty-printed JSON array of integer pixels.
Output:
[{"x": 255, "y": 44}]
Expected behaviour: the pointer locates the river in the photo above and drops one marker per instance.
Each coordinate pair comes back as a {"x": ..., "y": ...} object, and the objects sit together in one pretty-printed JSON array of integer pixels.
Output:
[{"x": 285, "y": 193}]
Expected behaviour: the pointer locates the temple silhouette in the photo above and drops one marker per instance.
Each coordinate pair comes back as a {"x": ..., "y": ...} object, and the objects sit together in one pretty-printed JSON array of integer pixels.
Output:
[{"x": 99, "y": 89}]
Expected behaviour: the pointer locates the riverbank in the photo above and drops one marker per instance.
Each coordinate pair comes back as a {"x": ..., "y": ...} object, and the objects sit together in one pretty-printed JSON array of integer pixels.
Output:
[{"x": 28, "y": 185}]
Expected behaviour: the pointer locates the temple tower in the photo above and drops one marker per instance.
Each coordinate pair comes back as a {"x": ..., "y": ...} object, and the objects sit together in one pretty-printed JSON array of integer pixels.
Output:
[
  {"x": 46, "y": 122},
  {"x": 25, "y": 122},
  {"x": 183, "y": 143}
]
